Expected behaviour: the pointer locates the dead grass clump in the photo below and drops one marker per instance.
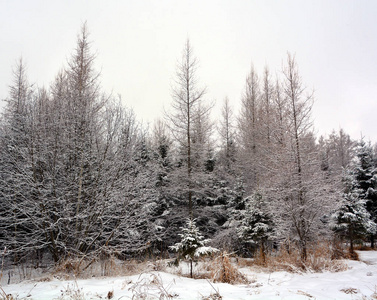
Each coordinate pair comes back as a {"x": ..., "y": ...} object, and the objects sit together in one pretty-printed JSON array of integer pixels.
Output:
[
  {"x": 319, "y": 258},
  {"x": 72, "y": 292},
  {"x": 133, "y": 267},
  {"x": 349, "y": 290},
  {"x": 284, "y": 260},
  {"x": 261, "y": 258},
  {"x": 151, "y": 287},
  {"x": 7, "y": 296},
  {"x": 110, "y": 266},
  {"x": 243, "y": 262},
  {"x": 213, "y": 296},
  {"x": 158, "y": 265},
  {"x": 224, "y": 271},
  {"x": 68, "y": 266},
  {"x": 352, "y": 255},
  {"x": 337, "y": 251},
  {"x": 364, "y": 248},
  {"x": 299, "y": 292},
  {"x": 77, "y": 268}
]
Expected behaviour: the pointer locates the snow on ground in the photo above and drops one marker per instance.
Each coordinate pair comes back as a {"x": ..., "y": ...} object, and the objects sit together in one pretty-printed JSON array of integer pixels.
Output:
[{"x": 358, "y": 282}]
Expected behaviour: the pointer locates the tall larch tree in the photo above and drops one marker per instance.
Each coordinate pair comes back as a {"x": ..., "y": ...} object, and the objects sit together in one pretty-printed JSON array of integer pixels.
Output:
[
  {"x": 187, "y": 97},
  {"x": 227, "y": 134},
  {"x": 249, "y": 130},
  {"x": 18, "y": 185},
  {"x": 306, "y": 194}
]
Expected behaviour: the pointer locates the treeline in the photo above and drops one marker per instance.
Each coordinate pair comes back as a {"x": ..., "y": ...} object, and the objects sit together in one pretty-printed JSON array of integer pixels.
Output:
[{"x": 80, "y": 176}]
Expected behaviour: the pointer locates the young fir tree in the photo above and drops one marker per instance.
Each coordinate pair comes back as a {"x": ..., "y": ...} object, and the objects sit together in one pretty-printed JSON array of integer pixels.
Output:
[
  {"x": 256, "y": 226},
  {"x": 364, "y": 172},
  {"x": 192, "y": 244},
  {"x": 352, "y": 219}
]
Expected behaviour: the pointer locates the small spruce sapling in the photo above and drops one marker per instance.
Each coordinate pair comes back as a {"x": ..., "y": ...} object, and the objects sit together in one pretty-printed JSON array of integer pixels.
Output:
[
  {"x": 352, "y": 219},
  {"x": 192, "y": 244},
  {"x": 256, "y": 226}
]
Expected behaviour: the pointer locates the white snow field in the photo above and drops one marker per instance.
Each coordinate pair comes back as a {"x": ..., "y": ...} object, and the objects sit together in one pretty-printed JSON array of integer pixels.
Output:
[{"x": 358, "y": 282}]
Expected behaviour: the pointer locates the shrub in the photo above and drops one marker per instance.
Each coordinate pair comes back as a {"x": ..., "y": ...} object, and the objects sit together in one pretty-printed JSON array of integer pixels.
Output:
[{"x": 224, "y": 271}]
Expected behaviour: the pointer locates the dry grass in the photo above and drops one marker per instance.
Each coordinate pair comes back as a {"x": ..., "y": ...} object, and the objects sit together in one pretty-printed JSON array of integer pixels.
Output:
[
  {"x": 85, "y": 268},
  {"x": 72, "y": 292},
  {"x": 364, "y": 248},
  {"x": 243, "y": 262},
  {"x": 151, "y": 286},
  {"x": 4, "y": 296},
  {"x": 224, "y": 267},
  {"x": 352, "y": 255},
  {"x": 218, "y": 269},
  {"x": 221, "y": 269},
  {"x": 214, "y": 295},
  {"x": 319, "y": 258},
  {"x": 225, "y": 271},
  {"x": 349, "y": 290}
]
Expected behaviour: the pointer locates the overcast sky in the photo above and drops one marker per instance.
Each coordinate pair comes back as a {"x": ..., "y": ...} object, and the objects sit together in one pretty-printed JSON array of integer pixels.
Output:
[{"x": 139, "y": 42}]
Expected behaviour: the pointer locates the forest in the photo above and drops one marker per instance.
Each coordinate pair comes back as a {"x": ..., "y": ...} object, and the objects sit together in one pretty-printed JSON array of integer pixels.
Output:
[{"x": 81, "y": 177}]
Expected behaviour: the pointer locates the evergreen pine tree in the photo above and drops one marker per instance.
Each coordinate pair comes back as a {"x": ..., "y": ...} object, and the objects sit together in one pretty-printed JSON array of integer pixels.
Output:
[
  {"x": 256, "y": 226},
  {"x": 365, "y": 179},
  {"x": 353, "y": 218},
  {"x": 192, "y": 244}
]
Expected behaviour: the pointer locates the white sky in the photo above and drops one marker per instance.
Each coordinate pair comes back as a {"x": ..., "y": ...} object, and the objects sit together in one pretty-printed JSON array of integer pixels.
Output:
[{"x": 139, "y": 42}]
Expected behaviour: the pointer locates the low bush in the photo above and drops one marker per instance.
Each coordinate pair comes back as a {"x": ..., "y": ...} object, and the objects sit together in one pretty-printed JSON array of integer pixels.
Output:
[{"x": 221, "y": 269}]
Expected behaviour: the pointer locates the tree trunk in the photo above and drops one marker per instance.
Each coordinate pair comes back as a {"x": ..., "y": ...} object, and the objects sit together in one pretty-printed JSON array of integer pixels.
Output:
[
  {"x": 351, "y": 242},
  {"x": 190, "y": 268},
  {"x": 304, "y": 254},
  {"x": 263, "y": 253}
]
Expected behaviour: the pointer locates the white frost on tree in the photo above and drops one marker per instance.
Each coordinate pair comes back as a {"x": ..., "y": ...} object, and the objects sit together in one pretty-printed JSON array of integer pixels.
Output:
[
  {"x": 352, "y": 218},
  {"x": 256, "y": 226},
  {"x": 192, "y": 244}
]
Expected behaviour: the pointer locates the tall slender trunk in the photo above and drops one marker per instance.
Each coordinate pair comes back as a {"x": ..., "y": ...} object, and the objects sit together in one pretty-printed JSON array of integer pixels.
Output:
[
  {"x": 263, "y": 253},
  {"x": 189, "y": 145},
  {"x": 190, "y": 268},
  {"x": 350, "y": 234}
]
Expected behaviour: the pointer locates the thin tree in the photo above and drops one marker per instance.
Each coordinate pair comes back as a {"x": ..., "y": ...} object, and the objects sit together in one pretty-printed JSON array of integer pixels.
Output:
[
  {"x": 226, "y": 131},
  {"x": 267, "y": 97},
  {"x": 187, "y": 96},
  {"x": 249, "y": 129},
  {"x": 300, "y": 106}
]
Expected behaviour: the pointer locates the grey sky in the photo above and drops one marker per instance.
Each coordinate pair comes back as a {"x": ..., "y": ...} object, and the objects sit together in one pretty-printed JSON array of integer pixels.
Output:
[{"x": 139, "y": 42}]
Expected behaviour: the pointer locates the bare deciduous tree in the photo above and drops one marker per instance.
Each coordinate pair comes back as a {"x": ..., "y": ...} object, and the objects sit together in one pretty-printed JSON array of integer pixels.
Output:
[{"x": 187, "y": 97}]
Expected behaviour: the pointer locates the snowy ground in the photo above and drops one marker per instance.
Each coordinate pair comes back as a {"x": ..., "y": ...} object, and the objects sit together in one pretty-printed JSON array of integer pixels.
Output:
[{"x": 358, "y": 282}]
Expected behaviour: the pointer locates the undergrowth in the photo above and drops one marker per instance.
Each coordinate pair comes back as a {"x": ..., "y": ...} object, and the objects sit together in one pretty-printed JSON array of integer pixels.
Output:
[
  {"x": 320, "y": 258},
  {"x": 224, "y": 271},
  {"x": 220, "y": 269},
  {"x": 86, "y": 268},
  {"x": 151, "y": 286},
  {"x": 72, "y": 292}
]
